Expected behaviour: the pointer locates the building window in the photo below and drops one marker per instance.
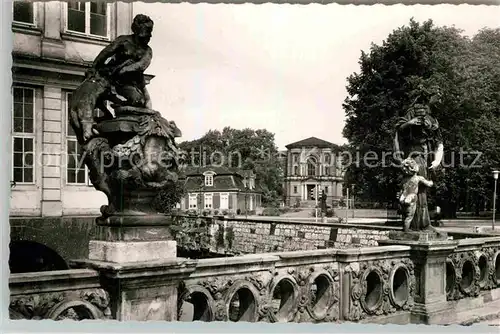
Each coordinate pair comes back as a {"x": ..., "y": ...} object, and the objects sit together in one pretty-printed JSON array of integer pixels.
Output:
[
  {"x": 328, "y": 158},
  {"x": 208, "y": 201},
  {"x": 90, "y": 18},
  {"x": 295, "y": 158},
  {"x": 295, "y": 189},
  {"x": 311, "y": 167},
  {"x": 23, "y": 134},
  {"x": 224, "y": 201},
  {"x": 295, "y": 170},
  {"x": 326, "y": 190},
  {"x": 209, "y": 180},
  {"x": 327, "y": 170},
  {"x": 193, "y": 200},
  {"x": 23, "y": 12}
]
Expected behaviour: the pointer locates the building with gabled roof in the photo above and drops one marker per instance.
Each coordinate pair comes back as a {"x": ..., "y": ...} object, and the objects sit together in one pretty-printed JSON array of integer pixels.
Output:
[
  {"x": 311, "y": 166},
  {"x": 220, "y": 188}
]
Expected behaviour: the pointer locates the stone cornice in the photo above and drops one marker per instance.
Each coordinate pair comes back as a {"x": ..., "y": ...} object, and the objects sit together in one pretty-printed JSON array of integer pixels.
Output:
[
  {"x": 50, "y": 281},
  {"x": 43, "y": 70}
]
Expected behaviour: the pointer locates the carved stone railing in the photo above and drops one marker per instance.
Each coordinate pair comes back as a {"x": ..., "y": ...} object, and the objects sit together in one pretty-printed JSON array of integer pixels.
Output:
[
  {"x": 384, "y": 284},
  {"x": 473, "y": 267},
  {"x": 67, "y": 294},
  {"x": 308, "y": 286},
  {"x": 378, "y": 282}
]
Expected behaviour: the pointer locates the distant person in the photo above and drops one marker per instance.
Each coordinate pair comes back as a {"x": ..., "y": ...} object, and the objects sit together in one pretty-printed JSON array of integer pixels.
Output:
[
  {"x": 323, "y": 202},
  {"x": 437, "y": 216}
]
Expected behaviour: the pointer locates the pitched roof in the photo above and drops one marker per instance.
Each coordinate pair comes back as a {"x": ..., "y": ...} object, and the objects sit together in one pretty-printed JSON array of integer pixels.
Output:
[
  {"x": 192, "y": 171},
  {"x": 311, "y": 142},
  {"x": 225, "y": 179},
  {"x": 220, "y": 183}
]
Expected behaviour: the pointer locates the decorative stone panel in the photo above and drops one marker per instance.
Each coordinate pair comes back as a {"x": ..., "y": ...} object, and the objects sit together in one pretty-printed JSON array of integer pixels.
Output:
[
  {"x": 379, "y": 287},
  {"x": 74, "y": 305},
  {"x": 468, "y": 272}
]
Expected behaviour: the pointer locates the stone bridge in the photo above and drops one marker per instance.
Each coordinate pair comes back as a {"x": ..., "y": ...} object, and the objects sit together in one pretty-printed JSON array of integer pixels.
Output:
[{"x": 440, "y": 282}]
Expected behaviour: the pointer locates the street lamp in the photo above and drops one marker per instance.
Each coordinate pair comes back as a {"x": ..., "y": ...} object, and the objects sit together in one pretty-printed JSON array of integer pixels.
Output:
[
  {"x": 246, "y": 195},
  {"x": 495, "y": 177}
]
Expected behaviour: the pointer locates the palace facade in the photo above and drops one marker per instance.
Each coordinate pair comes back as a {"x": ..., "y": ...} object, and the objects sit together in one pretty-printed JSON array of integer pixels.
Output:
[
  {"x": 311, "y": 166},
  {"x": 54, "y": 44}
]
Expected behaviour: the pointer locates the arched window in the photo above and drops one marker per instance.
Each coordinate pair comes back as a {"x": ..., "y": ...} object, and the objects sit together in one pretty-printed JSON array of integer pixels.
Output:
[
  {"x": 311, "y": 167},
  {"x": 328, "y": 158}
]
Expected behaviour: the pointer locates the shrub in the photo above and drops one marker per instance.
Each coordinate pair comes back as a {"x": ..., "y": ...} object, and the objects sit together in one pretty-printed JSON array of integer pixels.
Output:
[
  {"x": 216, "y": 212},
  {"x": 284, "y": 209},
  {"x": 330, "y": 213},
  {"x": 271, "y": 212}
]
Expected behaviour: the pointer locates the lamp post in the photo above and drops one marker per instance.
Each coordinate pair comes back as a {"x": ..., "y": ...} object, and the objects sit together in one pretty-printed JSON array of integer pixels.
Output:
[
  {"x": 347, "y": 205},
  {"x": 316, "y": 199},
  {"x": 246, "y": 195},
  {"x": 495, "y": 178}
]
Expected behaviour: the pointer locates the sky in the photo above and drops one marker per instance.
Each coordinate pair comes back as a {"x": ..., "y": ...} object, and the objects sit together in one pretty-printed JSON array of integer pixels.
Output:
[{"x": 278, "y": 67}]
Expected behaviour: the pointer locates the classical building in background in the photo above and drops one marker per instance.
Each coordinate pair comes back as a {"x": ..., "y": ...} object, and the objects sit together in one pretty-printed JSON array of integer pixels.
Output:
[
  {"x": 220, "y": 188},
  {"x": 54, "y": 44},
  {"x": 312, "y": 165}
]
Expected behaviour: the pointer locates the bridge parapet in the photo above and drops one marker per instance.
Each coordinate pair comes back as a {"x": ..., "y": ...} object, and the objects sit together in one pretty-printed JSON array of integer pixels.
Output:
[
  {"x": 238, "y": 236},
  {"x": 384, "y": 284},
  {"x": 303, "y": 286},
  {"x": 473, "y": 268},
  {"x": 66, "y": 294}
]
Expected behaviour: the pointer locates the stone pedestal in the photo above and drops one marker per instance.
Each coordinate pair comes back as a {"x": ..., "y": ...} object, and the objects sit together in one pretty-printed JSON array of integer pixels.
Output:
[
  {"x": 128, "y": 238},
  {"x": 428, "y": 252},
  {"x": 142, "y": 291},
  {"x": 136, "y": 258}
]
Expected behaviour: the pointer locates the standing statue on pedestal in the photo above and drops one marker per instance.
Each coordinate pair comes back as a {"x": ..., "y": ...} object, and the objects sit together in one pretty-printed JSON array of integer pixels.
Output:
[
  {"x": 418, "y": 140},
  {"x": 322, "y": 200},
  {"x": 130, "y": 151}
]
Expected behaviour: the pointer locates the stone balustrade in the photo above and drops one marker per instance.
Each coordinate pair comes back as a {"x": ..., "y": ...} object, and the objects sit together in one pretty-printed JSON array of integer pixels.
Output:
[
  {"x": 309, "y": 286},
  {"x": 236, "y": 236},
  {"x": 383, "y": 284},
  {"x": 66, "y": 294},
  {"x": 473, "y": 268}
]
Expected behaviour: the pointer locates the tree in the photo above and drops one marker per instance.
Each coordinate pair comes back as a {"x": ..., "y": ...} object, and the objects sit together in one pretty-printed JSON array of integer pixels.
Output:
[
  {"x": 438, "y": 66},
  {"x": 245, "y": 149}
]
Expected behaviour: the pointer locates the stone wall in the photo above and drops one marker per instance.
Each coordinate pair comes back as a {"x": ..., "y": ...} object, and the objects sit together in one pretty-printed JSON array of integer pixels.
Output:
[{"x": 249, "y": 236}]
